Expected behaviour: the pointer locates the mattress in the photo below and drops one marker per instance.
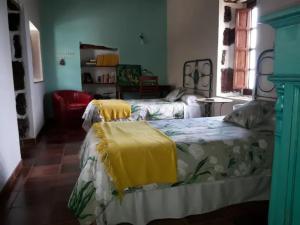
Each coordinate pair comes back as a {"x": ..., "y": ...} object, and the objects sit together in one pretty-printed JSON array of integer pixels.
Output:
[{"x": 212, "y": 157}]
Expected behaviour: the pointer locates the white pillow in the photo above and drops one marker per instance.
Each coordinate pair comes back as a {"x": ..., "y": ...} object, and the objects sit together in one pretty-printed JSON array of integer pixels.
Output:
[
  {"x": 251, "y": 114},
  {"x": 175, "y": 95}
]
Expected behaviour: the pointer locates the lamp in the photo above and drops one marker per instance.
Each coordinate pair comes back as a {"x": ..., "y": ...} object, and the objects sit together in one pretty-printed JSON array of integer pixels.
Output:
[{"x": 142, "y": 38}]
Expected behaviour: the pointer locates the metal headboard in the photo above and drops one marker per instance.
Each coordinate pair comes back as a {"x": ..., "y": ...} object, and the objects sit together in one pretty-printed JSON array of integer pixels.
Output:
[
  {"x": 266, "y": 91},
  {"x": 197, "y": 76}
]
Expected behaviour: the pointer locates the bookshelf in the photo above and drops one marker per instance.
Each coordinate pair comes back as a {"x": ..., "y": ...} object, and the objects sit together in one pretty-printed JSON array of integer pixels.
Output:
[{"x": 97, "y": 76}]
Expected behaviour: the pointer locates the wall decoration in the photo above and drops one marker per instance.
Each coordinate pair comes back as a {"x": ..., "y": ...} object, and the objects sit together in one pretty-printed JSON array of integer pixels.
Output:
[
  {"x": 223, "y": 57},
  {"x": 62, "y": 62},
  {"x": 142, "y": 38},
  {"x": 18, "y": 73},
  {"x": 23, "y": 125},
  {"x": 227, "y": 80},
  {"x": 227, "y": 14},
  {"x": 128, "y": 75},
  {"x": 17, "y": 46},
  {"x": 14, "y": 21},
  {"x": 229, "y": 36},
  {"x": 251, "y": 4},
  {"x": 13, "y": 6}
]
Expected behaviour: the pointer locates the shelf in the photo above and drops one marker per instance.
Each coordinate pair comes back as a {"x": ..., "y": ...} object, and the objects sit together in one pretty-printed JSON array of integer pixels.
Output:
[
  {"x": 22, "y": 117},
  {"x": 17, "y": 60},
  {"x": 14, "y": 32},
  {"x": 96, "y": 47},
  {"x": 99, "y": 83},
  {"x": 92, "y": 66},
  {"x": 22, "y": 91},
  {"x": 13, "y": 11}
]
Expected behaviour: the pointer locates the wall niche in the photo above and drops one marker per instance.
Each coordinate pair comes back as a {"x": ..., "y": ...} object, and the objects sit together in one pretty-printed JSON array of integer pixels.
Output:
[{"x": 16, "y": 35}]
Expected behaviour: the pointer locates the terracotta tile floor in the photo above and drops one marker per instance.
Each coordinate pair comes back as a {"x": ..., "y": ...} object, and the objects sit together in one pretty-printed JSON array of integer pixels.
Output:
[{"x": 50, "y": 170}]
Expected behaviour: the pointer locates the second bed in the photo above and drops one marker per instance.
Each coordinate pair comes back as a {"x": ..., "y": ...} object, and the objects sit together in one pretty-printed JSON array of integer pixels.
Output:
[{"x": 197, "y": 83}]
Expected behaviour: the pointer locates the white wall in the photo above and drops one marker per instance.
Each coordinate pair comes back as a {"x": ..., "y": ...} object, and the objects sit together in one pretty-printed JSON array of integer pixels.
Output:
[
  {"x": 9, "y": 137},
  {"x": 269, "y": 6},
  {"x": 192, "y": 32},
  {"x": 266, "y": 33},
  {"x": 36, "y": 91}
]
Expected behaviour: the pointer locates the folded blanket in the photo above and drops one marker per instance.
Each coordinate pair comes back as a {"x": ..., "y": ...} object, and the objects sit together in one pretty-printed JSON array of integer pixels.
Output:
[
  {"x": 113, "y": 109},
  {"x": 107, "y": 60},
  {"x": 135, "y": 154}
]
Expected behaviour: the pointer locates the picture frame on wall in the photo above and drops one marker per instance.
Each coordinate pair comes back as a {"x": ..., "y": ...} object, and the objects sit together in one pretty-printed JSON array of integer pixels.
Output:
[{"x": 128, "y": 75}]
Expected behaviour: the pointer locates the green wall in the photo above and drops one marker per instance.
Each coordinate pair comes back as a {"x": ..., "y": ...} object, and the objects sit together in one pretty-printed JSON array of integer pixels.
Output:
[{"x": 113, "y": 23}]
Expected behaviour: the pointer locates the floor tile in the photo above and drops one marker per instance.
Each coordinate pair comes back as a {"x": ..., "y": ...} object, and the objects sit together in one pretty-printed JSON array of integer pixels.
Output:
[
  {"x": 40, "y": 197},
  {"x": 38, "y": 183},
  {"x": 40, "y": 171},
  {"x": 7, "y": 200},
  {"x": 48, "y": 159},
  {"x": 70, "y": 168},
  {"x": 72, "y": 148},
  {"x": 29, "y": 216},
  {"x": 70, "y": 159}
]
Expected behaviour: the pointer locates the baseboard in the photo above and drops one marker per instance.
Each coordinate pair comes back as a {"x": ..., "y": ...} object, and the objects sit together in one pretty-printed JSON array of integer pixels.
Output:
[
  {"x": 8, "y": 187},
  {"x": 28, "y": 141},
  {"x": 31, "y": 141}
]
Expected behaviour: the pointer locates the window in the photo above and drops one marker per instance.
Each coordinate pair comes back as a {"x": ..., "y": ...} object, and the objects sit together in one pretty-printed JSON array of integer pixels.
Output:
[
  {"x": 245, "y": 53},
  {"x": 252, "y": 50},
  {"x": 237, "y": 51},
  {"x": 36, "y": 53}
]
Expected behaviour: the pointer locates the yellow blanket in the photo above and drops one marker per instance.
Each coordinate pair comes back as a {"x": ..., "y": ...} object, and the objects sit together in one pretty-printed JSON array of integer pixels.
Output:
[
  {"x": 135, "y": 154},
  {"x": 113, "y": 109}
]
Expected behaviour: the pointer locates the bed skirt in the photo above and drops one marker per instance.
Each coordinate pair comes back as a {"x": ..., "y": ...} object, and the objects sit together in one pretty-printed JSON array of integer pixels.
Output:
[{"x": 139, "y": 208}]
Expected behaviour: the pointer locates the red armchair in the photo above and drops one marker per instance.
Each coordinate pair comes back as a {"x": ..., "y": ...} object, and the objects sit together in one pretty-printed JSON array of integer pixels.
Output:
[{"x": 69, "y": 105}]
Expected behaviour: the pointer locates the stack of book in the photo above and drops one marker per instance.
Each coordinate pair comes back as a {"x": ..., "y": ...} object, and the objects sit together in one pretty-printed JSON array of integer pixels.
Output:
[
  {"x": 91, "y": 62},
  {"x": 109, "y": 78}
]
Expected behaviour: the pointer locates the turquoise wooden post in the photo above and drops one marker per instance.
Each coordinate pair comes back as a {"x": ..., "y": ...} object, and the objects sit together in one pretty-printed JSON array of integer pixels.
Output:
[{"x": 285, "y": 194}]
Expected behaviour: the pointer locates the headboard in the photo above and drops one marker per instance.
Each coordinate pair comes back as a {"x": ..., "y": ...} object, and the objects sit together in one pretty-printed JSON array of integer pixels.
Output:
[
  {"x": 197, "y": 76},
  {"x": 265, "y": 89}
]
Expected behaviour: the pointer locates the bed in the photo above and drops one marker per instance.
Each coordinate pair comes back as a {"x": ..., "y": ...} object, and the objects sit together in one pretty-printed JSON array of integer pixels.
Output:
[
  {"x": 218, "y": 164},
  {"x": 197, "y": 79}
]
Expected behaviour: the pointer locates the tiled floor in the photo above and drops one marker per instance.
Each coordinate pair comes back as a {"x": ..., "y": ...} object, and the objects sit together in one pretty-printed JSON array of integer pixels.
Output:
[{"x": 50, "y": 170}]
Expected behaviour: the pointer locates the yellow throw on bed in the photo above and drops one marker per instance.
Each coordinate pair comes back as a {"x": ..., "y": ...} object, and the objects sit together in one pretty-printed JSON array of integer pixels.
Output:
[
  {"x": 113, "y": 109},
  {"x": 135, "y": 154}
]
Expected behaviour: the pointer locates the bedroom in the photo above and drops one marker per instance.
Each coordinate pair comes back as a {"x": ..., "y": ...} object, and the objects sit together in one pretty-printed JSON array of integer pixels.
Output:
[{"x": 160, "y": 36}]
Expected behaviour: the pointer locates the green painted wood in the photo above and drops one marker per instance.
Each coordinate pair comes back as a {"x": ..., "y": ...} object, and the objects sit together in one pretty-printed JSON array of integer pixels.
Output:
[{"x": 285, "y": 191}]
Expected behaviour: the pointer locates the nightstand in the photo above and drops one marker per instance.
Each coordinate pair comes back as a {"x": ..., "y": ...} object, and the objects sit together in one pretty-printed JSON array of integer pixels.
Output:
[{"x": 209, "y": 102}]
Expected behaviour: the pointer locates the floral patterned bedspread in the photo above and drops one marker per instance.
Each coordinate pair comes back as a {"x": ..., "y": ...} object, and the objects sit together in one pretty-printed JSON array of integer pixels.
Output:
[
  {"x": 156, "y": 109},
  {"x": 141, "y": 109},
  {"x": 208, "y": 149}
]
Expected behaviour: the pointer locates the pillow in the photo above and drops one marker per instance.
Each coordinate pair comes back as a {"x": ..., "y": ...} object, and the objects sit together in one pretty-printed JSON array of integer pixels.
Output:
[
  {"x": 175, "y": 95},
  {"x": 252, "y": 114},
  {"x": 236, "y": 106},
  {"x": 268, "y": 125}
]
